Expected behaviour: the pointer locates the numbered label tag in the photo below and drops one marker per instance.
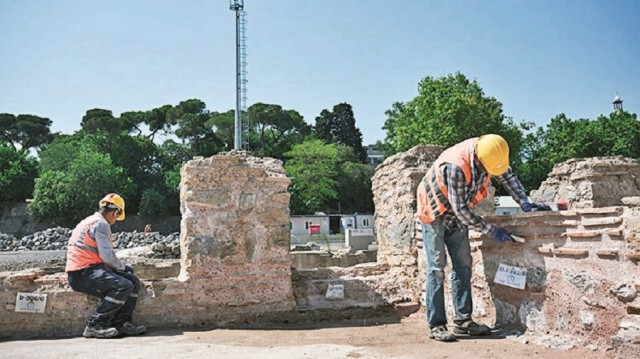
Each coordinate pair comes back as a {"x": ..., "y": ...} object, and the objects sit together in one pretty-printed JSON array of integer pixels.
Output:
[
  {"x": 515, "y": 277},
  {"x": 31, "y": 302}
]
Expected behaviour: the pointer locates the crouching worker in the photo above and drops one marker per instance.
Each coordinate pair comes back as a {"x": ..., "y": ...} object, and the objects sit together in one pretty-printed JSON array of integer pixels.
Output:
[
  {"x": 457, "y": 181},
  {"x": 93, "y": 268}
]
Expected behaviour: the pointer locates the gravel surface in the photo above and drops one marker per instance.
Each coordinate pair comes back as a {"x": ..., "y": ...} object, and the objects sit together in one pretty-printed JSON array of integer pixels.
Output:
[
  {"x": 50, "y": 261},
  {"x": 52, "y": 239}
]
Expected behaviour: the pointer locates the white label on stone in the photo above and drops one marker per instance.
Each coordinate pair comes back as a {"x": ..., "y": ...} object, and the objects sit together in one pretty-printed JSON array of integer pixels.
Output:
[
  {"x": 362, "y": 232},
  {"x": 31, "y": 302},
  {"x": 515, "y": 277},
  {"x": 335, "y": 291}
]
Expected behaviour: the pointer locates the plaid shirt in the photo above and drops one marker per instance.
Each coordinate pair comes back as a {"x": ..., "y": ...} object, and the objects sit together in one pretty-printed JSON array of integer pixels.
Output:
[{"x": 458, "y": 212}]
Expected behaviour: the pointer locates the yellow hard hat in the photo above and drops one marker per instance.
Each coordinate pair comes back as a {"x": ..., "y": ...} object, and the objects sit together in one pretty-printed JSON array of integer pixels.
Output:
[
  {"x": 493, "y": 152},
  {"x": 117, "y": 201}
]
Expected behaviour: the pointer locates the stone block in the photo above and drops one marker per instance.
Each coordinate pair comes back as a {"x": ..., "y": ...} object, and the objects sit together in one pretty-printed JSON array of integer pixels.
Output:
[
  {"x": 607, "y": 252},
  {"x": 601, "y": 222},
  {"x": 545, "y": 249},
  {"x": 616, "y": 211},
  {"x": 633, "y": 309},
  {"x": 614, "y": 233},
  {"x": 633, "y": 201},
  {"x": 573, "y": 252},
  {"x": 582, "y": 235}
]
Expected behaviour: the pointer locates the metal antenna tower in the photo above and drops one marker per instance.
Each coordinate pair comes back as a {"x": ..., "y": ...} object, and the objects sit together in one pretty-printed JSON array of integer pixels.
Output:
[{"x": 241, "y": 127}]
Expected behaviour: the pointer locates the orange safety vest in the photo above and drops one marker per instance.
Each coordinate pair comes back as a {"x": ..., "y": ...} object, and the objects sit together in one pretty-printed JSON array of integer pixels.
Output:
[
  {"x": 433, "y": 192},
  {"x": 82, "y": 250}
]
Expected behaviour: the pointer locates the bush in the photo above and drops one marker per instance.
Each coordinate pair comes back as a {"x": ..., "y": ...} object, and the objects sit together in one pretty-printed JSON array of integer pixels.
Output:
[
  {"x": 66, "y": 197},
  {"x": 17, "y": 175},
  {"x": 153, "y": 204}
]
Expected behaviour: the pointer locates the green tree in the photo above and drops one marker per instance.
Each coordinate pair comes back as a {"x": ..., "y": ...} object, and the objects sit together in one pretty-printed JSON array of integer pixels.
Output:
[
  {"x": 57, "y": 155},
  {"x": 447, "y": 110},
  {"x": 25, "y": 131},
  {"x": 171, "y": 153},
  {"x": 275, "y": 130},
  {"x": 153, "y": 204},
  {"x": 17, "y": 174},
  {"x": 65, "y": 197},
  {"x": 172, "y": 192},
  {"x": 312, "y": 169},
  {"x": 195, "y": 127},
  {"x": 354, "y": 183},
  {"x": 100, "y": 121},
  {"x": 563, "y": 138},
  {"x": 223, "y": 124},
  {"x": 339, "y": 126}
]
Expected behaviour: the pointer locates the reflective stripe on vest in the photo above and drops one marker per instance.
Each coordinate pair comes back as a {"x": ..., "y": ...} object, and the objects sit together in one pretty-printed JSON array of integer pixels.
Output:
[
  {"x": 433, "y": 194},
  {"x": 82, "y": 250}
]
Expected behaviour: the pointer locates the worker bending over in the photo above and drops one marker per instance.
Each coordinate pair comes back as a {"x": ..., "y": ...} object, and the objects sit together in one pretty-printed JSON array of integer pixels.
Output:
[{"x": 455, "y": 183}]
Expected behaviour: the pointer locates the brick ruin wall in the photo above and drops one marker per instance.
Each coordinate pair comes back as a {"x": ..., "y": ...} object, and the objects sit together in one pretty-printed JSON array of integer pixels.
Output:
[
  {"x": 582, "y": 277},
  {"x": 591, "y": 182},
  {"x": 234, "y": 267},
  {"x": 582, "y": 264}
]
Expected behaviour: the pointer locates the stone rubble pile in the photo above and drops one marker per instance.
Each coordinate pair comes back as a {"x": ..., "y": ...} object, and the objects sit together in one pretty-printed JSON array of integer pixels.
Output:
[{"x": 162, "y": 246}]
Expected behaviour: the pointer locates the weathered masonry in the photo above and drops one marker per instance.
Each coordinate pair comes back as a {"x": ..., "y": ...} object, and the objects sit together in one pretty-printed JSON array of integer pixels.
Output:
[{"x": 581, "y": 264}]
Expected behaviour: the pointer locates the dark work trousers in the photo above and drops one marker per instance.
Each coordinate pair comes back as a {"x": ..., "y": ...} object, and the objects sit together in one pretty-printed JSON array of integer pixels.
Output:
[{"x": 118, "y": 290}]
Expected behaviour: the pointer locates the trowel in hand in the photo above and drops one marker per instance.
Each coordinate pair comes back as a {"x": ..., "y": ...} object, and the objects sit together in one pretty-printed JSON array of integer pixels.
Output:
[{"x": 517, "y": 238}]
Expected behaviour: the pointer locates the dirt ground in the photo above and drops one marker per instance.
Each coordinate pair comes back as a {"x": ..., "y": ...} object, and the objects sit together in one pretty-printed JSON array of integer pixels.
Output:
[{"x": 405, "y": 339}]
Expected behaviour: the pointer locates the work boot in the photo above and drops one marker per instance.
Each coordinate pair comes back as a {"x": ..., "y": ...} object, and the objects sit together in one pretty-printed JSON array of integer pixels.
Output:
[
  {"x": 129, "y": 328},
  {"x": 99, "y": 331},
  {"x": 441, "y": 334},
  {"x": 470, "y": 327}
]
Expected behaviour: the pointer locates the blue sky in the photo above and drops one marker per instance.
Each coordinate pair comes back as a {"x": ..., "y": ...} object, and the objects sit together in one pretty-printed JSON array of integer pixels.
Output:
[{"x": 539, "y": 58}]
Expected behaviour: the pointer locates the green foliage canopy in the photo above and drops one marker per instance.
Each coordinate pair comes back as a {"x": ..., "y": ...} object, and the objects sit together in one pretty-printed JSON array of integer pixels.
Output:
[
  {"x": 563, "y": 138},
  {"x": 25, "y": 131},
  {"x": 312, "y": 169},
  {"x": 339, "y": 126},
  {"x": 65, "y": 197},
  {"x": 17, "y": 174},
  {"x": 447, "y": 110},
  {"x": 275, "y": 130}
]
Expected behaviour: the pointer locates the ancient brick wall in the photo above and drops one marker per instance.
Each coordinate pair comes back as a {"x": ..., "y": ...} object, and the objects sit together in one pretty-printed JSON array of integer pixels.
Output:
[
  {"x": 235, "y": 235},
  {"x": 394, "y": 195},
  {"x": 581, "y": 276},
  {"x": 591, "y": 182},
  {"x": 235, "y": 264}
]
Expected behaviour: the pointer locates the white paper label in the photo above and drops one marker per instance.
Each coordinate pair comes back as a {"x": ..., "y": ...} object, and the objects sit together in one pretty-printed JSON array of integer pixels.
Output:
[
  {"x": 335, "y": 292},
  {"x": 31, "y": 302},
  {"x": 515, "y": 277}
]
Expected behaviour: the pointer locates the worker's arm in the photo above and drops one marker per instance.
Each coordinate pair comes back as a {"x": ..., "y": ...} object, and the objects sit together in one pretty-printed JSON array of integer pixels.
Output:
[
  {"x": 512, "y": 185},
  {"x": 458, "y": 199},
  {"x": 102, "y": 235}
]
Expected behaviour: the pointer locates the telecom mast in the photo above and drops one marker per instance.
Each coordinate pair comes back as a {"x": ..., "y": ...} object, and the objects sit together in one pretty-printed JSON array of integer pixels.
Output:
[{"x": 241, "y": 126}]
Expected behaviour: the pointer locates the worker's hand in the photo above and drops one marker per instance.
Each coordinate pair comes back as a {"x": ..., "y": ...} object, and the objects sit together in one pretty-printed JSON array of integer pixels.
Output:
[
  {"x": 128, "y": 268},
  {"x": 500, "y": 234},
  {"x": 535, "y": 207}
]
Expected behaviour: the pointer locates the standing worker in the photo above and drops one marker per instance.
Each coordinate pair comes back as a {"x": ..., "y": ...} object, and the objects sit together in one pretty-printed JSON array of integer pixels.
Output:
[
  {"x": 457, "y": 181},
  {"x": 93, "y": 268}
]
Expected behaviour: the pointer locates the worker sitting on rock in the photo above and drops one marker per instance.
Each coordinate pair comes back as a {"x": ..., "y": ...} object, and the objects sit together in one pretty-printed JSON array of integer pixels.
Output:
[
  {"x": 457, "y": 181},
  {"x": 93, "y": 268}
]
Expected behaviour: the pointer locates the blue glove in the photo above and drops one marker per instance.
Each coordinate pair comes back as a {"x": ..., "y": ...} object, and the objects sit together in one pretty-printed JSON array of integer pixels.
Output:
[
  {"x": 128, "y": 268},
  {"x": 500, "y": 234},
  {"x": 535, "y": 207}
]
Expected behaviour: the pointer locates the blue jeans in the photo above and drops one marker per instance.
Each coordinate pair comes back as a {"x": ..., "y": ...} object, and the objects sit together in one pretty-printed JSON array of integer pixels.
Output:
[
  {"x": 435, "y": 237},
  {"x": 118, "y": 290}
]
